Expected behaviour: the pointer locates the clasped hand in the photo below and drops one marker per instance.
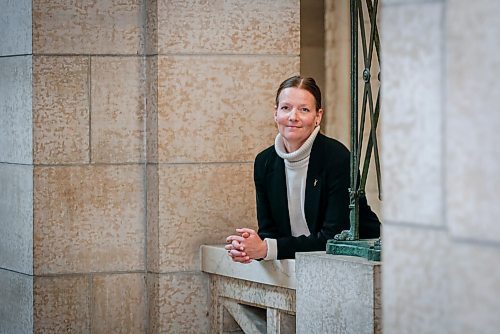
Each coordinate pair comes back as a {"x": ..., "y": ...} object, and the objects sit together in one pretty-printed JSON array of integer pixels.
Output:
[{"x": 245, "y": 246}]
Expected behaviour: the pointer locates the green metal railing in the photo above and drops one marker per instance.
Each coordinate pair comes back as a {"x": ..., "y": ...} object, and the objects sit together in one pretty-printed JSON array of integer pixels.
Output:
[{"x": 347, "y": 242}]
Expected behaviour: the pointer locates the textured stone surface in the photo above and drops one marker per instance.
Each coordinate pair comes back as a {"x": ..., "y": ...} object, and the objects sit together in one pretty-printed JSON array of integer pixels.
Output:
[
  {"x": 473, "y": 120},
  {"x": 474, "y": 303},
  {"x": 61, "y": 109},
  {"x": 16, "y": 303},
  {"x": 118, "y": 87},
  {"x": 214, "y": 260},
  {"x": 412, "y": 126},
  {"x": 16, "y": 217},
  {"x": 349, "y": 302},
  {"x": 415, "y": 280},
  {"x": 201, "y": 204},
  {"x": 61, "y": 304},
  {"x": 153, "y": 247},
  {"x": 119, "y": 303},
  {"x": 152, "y": 109},
  {"x": 253, "y": 293},
  {"x": 182, "y": 303},
  {"x": 15, "y": 25},
  {"x": 97, "y": 27},
  {"x": 89, "y": 219},
  {"x": 16, "y": 110},
  {"x": 218, "y": 108},
  {"x": 151, "y": 27},
  {"x": 236, "y": 27}
]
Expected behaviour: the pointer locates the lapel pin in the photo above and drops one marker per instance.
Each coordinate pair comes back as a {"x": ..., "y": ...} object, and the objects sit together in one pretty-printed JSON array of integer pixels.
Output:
[{"x": 315, "y": 182}]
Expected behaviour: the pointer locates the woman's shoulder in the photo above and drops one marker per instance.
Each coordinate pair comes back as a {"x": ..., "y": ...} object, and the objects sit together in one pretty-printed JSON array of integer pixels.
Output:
[
  {"x": 331, "y": 147},
  {"x": 264, "y": 156}
]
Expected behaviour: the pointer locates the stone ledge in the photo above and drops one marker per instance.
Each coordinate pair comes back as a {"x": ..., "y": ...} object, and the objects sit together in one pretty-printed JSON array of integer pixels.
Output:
[{"x": 214, "y": 260}]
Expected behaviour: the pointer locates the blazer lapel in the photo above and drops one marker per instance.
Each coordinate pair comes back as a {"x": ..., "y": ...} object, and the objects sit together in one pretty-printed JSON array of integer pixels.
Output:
[{"x": 314, "y": 182}]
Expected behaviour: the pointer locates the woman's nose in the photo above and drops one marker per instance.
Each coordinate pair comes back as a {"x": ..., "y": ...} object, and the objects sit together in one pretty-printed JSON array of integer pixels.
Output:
[{"x": 292, "y": 116}]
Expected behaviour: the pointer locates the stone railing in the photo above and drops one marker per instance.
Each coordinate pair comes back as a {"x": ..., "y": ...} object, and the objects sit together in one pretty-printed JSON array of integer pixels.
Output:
[{"x": 316, "y": 293}]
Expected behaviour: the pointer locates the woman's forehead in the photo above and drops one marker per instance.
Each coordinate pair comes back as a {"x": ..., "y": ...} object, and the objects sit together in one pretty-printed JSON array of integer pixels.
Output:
[{"x": 296, "y": 95}]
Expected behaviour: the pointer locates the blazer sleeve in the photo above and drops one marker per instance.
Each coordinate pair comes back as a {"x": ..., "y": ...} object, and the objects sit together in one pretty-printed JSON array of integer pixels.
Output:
[
  {"x": 268, "y": 228},
  {"x": 333, "y": 216}
]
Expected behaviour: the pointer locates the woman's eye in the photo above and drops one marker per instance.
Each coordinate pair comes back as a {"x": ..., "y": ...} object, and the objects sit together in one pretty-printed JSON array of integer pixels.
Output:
[
  {"x": 305, "y": 110},
  {"x": 284, "y": 108}
]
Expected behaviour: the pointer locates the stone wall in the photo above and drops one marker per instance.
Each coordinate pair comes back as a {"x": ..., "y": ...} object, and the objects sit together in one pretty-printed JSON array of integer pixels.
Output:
[
  {"x": 131, "y": 128},
  {"x": 440, "y": 160}
]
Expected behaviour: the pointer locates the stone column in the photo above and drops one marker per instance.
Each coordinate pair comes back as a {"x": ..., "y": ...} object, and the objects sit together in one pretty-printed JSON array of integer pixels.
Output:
[
  {"x": 219, "y": 64},
  {"x": 441, "y": 157},
  {"x": 16, "y": 168}
]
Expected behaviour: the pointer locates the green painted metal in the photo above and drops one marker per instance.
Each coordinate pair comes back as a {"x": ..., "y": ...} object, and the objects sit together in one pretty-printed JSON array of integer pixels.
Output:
[{"x": 347, "y": 242}]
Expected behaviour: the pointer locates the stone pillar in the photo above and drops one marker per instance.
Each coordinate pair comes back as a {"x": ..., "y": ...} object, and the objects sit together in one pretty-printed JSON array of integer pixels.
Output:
[
  {"x": 219, "y": 64},
  {"x": 16, "y": 168},
  {"x": 338, "y": 294},
  {"x": 441, "y": 159}
]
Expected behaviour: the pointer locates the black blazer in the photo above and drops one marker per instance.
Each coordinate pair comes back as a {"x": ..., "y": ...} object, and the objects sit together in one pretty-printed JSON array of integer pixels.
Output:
[{"x": 326, "y": 200}]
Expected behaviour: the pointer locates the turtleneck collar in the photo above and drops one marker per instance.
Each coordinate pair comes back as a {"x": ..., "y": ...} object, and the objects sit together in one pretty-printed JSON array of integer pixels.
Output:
[{"x": 303, "y": 152}]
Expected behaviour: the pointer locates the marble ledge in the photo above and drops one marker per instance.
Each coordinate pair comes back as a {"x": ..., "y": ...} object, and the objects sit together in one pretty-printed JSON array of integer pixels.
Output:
[{"x": 214, "y": 260}]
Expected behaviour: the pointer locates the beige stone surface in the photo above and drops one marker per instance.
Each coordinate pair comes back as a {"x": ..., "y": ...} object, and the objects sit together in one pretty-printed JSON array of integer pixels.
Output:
[
  {"x": 60, "y": 109},
  {"x": 87, "y": 27},
  {"x": 151, "y": 27},
  {"x": 152, "y": 109},
  {"x": 412, "y": 120},
  {"x": 415, "y": 280},
  {"x": 89, "y": 219},
  {"x": 61, "y": 304},
  {"x": 218, "y": 108},
  {"x": 472, "y": 120},
  {"x": 474, "y": 286},
  {"x": 201, "y": 204},
  {"x": 235, "y": 27},
  {"x": 118, "y": 110},
  {"x": 119, "y": 303},
  {"x": 152, "y": 195},
  {"x": 182, "y": 303}
]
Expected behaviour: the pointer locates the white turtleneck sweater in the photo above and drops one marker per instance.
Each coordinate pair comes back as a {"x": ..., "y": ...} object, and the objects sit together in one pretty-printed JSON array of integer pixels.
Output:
[{"x": 296, "y": 164}]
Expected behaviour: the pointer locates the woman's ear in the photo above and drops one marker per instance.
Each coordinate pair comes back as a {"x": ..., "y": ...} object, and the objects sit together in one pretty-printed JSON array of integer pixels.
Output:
[{"x": 319, "y": 116}]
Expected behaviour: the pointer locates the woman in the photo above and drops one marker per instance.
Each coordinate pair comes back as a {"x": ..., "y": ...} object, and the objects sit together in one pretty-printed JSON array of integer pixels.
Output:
[{"x": 301, "y": 184}]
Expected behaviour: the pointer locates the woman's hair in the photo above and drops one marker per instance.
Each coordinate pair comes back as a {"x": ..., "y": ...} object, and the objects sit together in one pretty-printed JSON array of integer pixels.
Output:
[{"x": 303, "y": 83}]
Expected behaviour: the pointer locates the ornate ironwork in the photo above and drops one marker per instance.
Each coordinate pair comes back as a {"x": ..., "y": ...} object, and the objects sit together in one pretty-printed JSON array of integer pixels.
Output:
[{"x": 347, "y": 242}]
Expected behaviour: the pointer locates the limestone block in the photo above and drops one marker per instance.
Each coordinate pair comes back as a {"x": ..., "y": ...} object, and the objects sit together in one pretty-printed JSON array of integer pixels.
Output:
[
  {"x": 472, "y": 120},
  {"x": 119, "y": 303},
  {"x": 338, "y": 294},
  {"x": 16, "y": 302},
  {"x": 16, "y": 110},
  {"x": 474, "y": 283},
  {"x": 152, "y": 109},
  {"x": 182, "y": 303},
  {"x": 416, "y": 279},
  {"x": 15, "y": 25},
  {"x": 412, "y": 122},
  {"x": 151, "y": 27},
  {"x": 16, "y": 217},
  {"x": 61, "y": 109},
  {"x": 235, "y": 27},
  {"x": 201, "y": 204},
  {"x": 61, "y": 304},
  {"x": 118, "y": 111},
  {"x": 152, "y": 193},
  {"x": 89, "y": 218},
  {"x": 214, "y": 260},
  {"x": 218, "y": 108},
  {"x": 88, "y": 27}
]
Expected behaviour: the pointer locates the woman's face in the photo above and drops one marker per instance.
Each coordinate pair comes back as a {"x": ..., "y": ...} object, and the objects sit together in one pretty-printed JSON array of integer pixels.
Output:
[{"x": 296, "y": 116}]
